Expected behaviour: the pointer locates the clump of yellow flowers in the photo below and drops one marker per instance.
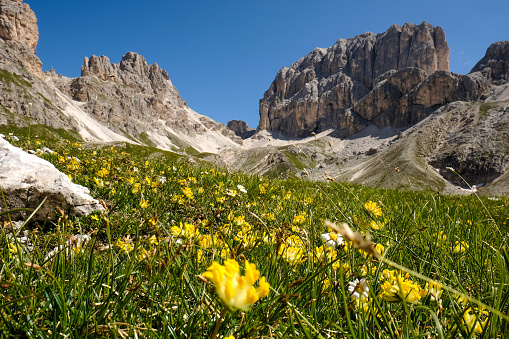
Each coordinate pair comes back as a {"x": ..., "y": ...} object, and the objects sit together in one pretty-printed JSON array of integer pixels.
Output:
[
  {"x": 399, "y": 288},
  {"x": 236, "y": 291}
]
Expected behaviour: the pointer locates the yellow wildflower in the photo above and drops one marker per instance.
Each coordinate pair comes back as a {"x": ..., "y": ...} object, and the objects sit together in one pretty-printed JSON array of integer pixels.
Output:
[
  {"x": 14, "y": 249},
  {"x": 373, "y": 208},
  {"x": 144, "y": 203},
  {"x": 136, "y": 188},
  {"x": 205, "y": 241},
  {"x": 188, "y": 192},
  {"x": 103, "y": 172},
  {"x": 460, "y": 247},
  {"x": 270, "y": 217},
  {"x": 378, "y": 247},
  {"x": 199, "y": 255},
  {"x": 239, "y": 221},
  {"x": 399, "y": 289},
  {"x": 295, "y": 241},
  {"x": 324, "y": 254},
  {"x": 435, "y": 289},
  {"x": 234, "y": 290},
  {"x": 474, "y": 320},
  {"x": 291, "y": 254},
  {"x": 125, "y": 245},
  {"x": 299, "y": 219},
  {"x": 153, "y": 240},
  {"x": 99, "y": 183},
  {"x": 185, "y": 231}
]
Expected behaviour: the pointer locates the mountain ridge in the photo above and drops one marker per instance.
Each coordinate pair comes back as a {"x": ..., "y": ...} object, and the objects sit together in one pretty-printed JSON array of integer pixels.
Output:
[{"x": 402, "y": 128}]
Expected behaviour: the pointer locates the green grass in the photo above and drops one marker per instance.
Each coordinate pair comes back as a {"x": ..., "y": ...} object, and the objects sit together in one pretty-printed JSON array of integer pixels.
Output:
[
  {"x": 123, "y": 284},
  {"x": 146, "y": 140},
  {"x": 298, "y": 160},
  {"x": 37, "y": 131},
  {"x": 485, "y": 107},
  {"x": 8, "y": 77}
]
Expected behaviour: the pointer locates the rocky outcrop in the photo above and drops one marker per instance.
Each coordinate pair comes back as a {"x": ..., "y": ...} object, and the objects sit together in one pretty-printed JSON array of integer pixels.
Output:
[
  {"x": 317, "y": 92},
  {"x": 26, "y": 180},
  {"x": 495, "y": 64},
  {"x": 240, "y": 128},
  {"x": 18, "y": 22},
  {"x": 18, "y": 29}
]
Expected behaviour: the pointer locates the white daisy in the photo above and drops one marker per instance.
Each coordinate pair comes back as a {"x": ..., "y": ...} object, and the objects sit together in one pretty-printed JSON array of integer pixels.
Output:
[
  {"x": 332, "y": 239},
  {"x": 358, "y": 288}
]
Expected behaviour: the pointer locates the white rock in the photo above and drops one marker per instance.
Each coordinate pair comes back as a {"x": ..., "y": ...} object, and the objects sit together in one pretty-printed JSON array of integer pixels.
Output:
[{"x": 27, "y": 179}]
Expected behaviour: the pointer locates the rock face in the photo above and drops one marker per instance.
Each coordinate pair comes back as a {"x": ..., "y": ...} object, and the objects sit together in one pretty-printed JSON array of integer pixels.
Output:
[
  {"x": 495, "y": 64},
  {"x": 18, "y": 22},
  {"x": 18, "y": 29},
  {"x": 27, "y": 179},
  {"x": 475, "y": 142},
  {"x": 240, "y": 128},
  {"x": 323, "y": 90}
]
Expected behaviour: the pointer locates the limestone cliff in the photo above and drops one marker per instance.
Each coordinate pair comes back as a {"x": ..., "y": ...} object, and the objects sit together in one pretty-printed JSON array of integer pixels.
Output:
[
  {"x": 18, "y": 30},
  {"x": 319, "y": 91}
]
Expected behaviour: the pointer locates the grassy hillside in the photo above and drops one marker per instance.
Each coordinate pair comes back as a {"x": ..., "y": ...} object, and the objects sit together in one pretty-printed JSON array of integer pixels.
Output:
[{"x": 147, "y": 269}]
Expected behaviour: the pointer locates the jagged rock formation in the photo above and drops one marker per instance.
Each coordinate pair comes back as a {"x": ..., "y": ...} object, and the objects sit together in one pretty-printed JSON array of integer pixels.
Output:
[
  {"x": 377, "y": 79},
  {"x": 240, "y": 128},
  {"x": 26, "y": 180},
  {"x": 495, "y": 64},
  {"x": 139, "y": 100},
  {"x": 18, "y": 29}
]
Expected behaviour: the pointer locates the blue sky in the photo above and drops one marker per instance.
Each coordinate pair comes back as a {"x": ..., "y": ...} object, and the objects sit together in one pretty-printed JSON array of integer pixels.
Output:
[{"x": 222, "y": 55}]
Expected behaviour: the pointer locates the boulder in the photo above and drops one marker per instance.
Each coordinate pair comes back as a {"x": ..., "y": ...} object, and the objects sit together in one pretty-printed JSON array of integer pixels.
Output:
[{"x": 26, "y": 180}]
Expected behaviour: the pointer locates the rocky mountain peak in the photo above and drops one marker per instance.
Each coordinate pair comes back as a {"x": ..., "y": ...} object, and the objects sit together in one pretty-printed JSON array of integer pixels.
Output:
[
  {"x": 138, "y": 99},
  {"x": 133, "y": 71},
  {"x": 318, "y": 91},
  {"x": 495, "y": 64}
]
